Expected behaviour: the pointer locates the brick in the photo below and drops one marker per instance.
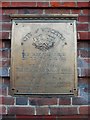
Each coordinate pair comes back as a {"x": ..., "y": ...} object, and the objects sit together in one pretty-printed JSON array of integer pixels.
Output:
[
  {"x": 84, "y": 53},
  {"x": 38, "y": 117},
  {"x": 4, "y": 72},
  {"x": 7, "y": 100},
  {"x": 84, "y": 110},
  {"x": 85, "y": 72},
  {"x": 0, "y": 4},
  {"x": 21, "y": 100},
  {"x": 11, "y": 11},
  {"x": 0, "y": 18},
  {"x": 64, "y": 11},
  {"x": 6, "y": 26},
  {"x": 83, "y": 18},
  {"x": 42, "y": 111},
  {"x": 52, "y": 117},
  {"x": 69, "y": 4},
  {"x": 22, "y": 117},
  {"x": 5, "y": 18},
  {"x": 63, "y": 4},
  {"x": 85, "y": 90},
  {"x": 76, "y": 11},
  {"x": 84, "y": 35},
  {"x": 7, "y": 44},
  {"x": 6, "y": 81},
  {"x": 79, "y": 101},
  {"x": 87, "y": 60},
  {"x": 84, "y": 45},
  {"x": 52, "y": 11},
  {"x": 82, "y": 27},
  {"x": 85, "y": 11},
  {"x": 64, "y": 100},
  {"x": 79, "y": 72},
  {"x": 73, "y": 117},
  {"x": 0, "y": 53},
  {"x": 83, "y": 86},
  {"x": 6, "y": 53},
  {"x": 55, "y": 4},
  {"x": 3, "y": 11},
  {"x": 20, "y": 110},
  {"x": 8, "y": 117},
  {"x": 5, "y": 4},
  {"x": 4, "y": 35},
  {"x": 89, "y": 35},
  {"x": 42, "y": 101},
  {"x": 83, "y": 63},
  {"x": 0, "y": 100},
  {"x": 63, "y": 111},
  {"x": 82, "y": 4},
  {"x": 0, "y": 27},
  {"x": 1, "y": 80},
  {"x": 1, "y": 45},
  {"x": 57, "y": 11},
  {"x": 42, "y": 4},
  {"x": 2, "y": 110},
  {"x": 0, "y": 11},
  {"x": 23, "y": 4},
  {"x": 3, "y": 91},
  {"x": 30, "y": 11},
  {"x": 1, "y": 63}
]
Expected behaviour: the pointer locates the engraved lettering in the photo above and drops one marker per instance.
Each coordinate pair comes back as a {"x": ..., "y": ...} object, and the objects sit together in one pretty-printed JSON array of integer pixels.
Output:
[{"x": 27, "y": 36}]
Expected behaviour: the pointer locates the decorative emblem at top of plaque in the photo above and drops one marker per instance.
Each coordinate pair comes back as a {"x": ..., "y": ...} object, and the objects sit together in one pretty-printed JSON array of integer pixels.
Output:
[{"x": 46, "y": 38}]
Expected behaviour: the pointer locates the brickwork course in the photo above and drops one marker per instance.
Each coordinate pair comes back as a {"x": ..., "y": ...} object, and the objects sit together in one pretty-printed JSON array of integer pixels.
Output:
[{"x": 52, "y": 108}]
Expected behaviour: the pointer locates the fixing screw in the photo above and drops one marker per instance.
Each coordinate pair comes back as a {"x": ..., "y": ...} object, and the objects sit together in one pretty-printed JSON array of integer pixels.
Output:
[
  {"x": 17, "y": 90},
  {"x": 13, "y": 88},
  {"x": 70, "y": 90}
]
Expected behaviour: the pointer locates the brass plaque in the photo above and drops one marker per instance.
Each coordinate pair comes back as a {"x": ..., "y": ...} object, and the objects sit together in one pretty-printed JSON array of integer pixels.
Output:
[{"x": 43, "y": 57}]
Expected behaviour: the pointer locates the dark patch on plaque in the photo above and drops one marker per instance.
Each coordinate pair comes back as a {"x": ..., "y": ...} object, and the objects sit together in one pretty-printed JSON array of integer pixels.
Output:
[{"x": 24, "y": 55}]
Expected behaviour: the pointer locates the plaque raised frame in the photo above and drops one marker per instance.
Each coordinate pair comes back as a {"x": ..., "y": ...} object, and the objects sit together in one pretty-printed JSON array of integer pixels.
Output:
[{"x": 44, "y": 55}]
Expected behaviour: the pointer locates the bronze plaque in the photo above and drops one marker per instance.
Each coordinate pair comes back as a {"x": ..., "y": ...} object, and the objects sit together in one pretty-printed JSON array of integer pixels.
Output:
[{"x": 43, "y": 57}]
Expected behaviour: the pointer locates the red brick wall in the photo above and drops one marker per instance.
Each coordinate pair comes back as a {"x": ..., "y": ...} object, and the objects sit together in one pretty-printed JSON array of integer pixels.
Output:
[{"x": 52, "y": 107}]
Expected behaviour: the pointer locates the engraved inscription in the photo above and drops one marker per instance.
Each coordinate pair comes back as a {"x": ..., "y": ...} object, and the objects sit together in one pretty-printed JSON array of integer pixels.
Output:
[
  {"x": 27, "y": 37},
  {"x": 44, "y": 38}
]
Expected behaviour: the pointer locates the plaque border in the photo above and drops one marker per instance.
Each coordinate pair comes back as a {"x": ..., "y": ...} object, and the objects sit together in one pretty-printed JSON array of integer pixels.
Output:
[{"x": 22, "y": 18}]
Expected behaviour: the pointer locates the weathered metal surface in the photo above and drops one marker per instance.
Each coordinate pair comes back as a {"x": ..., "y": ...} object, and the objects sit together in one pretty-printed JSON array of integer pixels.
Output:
[{"x": 43, "y": 57}]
